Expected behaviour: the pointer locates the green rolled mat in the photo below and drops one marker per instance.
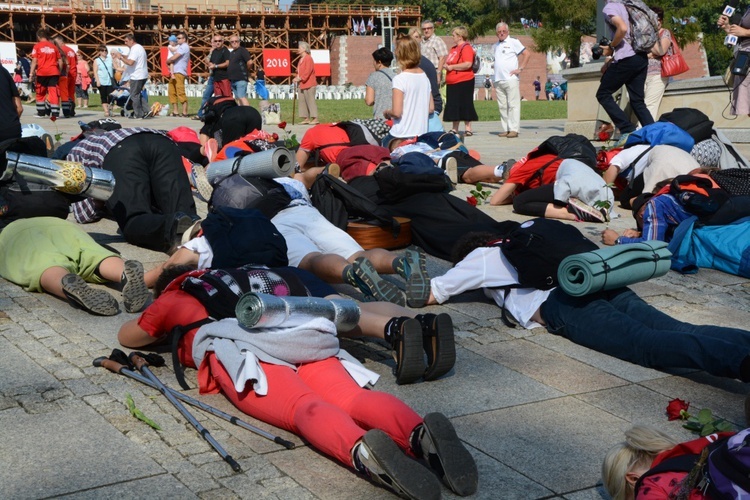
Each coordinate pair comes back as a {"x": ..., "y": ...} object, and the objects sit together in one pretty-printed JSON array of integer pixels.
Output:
[{"x": 613, "y": 267}]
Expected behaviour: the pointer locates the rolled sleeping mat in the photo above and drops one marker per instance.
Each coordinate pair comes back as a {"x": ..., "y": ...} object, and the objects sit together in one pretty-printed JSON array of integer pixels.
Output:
[
  {"x": 613, "y": 267},
  {"x": 260, "y": 310},
  {"x": 269, "y": 164},
  {"x": 65, "y": 176}
]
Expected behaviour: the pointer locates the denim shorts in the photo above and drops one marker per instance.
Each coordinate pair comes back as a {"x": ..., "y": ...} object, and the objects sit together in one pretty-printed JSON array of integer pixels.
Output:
[{"x": 239, "y": 89}]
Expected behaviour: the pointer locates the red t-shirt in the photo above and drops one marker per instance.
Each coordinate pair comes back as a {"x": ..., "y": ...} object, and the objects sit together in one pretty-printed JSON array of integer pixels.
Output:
[
  {"x": 320, "y": 135},
  {"x": 524, "y": 172},
  {"x": 46, "y": 55},
  {"x": 72, "y": 59},
  {"x": 174, "y": 308},
  {"x": 459, "y": 54}
]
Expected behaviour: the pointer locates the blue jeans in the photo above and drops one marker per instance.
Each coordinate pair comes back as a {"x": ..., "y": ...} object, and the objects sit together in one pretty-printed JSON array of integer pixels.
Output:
[
  {"x": 207, "y": 93},
  {"x": 621, "y": 324},
  {"x": 630, "y": 72}
]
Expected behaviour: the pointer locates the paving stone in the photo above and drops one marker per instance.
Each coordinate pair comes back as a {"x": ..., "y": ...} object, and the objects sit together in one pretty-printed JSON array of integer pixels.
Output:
[
  {"x": 617, "y": 367},
  {"x": 481, "y": 385},
  {"x": 598, "y": 493},
  {"x": 548, "y": 367},
  {"x": 17, "y": 369},
  {"x": 540, "y": 439},
  {"x": 494, "y": 477},
  {"x": 162, "y": 486},
  {"x": 73, "y": 456}
]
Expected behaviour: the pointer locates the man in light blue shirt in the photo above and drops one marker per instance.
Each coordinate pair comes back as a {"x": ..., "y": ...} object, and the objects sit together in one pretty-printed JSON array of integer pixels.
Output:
[{"x": 180, "y": 59}]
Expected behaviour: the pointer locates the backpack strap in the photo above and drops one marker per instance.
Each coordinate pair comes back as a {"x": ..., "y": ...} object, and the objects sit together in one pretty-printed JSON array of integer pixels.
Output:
[
  {"x": 540, "y": 172},
  {"x": 386, "y": 74},
  {"x": 635, "y": 162},
  {"x": 177, "y": 333}
]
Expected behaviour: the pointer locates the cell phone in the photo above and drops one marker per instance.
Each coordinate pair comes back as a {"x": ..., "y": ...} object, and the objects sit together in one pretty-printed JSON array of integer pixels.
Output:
[{"x": 741, "y": 63}]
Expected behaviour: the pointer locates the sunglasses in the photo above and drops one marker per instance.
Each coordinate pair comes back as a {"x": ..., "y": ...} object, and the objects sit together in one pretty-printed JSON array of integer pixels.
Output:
[{"x": 219, "y": 41}]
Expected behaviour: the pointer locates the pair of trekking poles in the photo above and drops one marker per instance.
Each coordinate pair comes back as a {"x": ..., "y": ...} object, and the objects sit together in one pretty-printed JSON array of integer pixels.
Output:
[{"x": 118, "y": 362}]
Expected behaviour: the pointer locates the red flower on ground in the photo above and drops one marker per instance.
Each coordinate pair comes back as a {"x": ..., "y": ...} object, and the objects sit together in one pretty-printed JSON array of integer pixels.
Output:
[
  {"x": 604, "y": 136},
  {"x": 53, "y": 118},
  {"x": 675, "y": 409},
  {"x": 282, "y": 125},
  {"x": 471, "y": 200},
  {"x": 275, "y": 136}
]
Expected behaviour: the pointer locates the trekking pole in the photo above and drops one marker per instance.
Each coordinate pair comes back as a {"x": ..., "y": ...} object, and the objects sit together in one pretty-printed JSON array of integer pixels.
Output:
[
  {"x": 142, "y": 365},
  {"x": 121, "y": 369}
]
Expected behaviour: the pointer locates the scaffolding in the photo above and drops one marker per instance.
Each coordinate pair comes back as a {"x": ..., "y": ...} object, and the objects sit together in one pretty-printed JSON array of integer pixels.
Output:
[{"x": 89, "y": 23}]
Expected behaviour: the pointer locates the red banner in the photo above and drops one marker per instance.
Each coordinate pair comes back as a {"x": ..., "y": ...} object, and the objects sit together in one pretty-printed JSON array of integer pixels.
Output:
[{"x": 277, "y": 62}]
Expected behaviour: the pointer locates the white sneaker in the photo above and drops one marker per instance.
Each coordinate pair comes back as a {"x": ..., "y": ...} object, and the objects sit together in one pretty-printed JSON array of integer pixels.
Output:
[
  {"x": 584, "y": 212},
  {"x": 450, "y": 165}
]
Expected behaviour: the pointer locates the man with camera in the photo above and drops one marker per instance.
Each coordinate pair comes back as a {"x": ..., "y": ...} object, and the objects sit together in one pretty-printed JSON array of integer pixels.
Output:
[
  {"x": 738, "y": 34},
  {"x": 624, "y": 66}
]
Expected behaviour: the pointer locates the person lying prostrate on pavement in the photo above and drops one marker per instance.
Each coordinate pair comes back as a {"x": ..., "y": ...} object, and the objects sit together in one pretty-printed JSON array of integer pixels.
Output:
[
  {"x": 615, "y": 322},
  {"x": 47, "y": 254},
  {"x": 319, "y": 400}
]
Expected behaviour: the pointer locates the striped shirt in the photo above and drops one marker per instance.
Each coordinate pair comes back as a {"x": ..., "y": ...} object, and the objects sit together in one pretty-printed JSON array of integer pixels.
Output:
[
  {"x": 661, "y": 217},
  {"x": 92, "y": 150}
]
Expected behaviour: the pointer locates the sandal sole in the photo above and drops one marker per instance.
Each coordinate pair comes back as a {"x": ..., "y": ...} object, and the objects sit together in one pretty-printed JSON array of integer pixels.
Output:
[
  {"x": 459, "y": 467},
  {"x": 89, "y": 299},
  {"x": 441, "y": 348},
  {"x": 412, "y": 366},
  {"x": 135, "y": 293}
]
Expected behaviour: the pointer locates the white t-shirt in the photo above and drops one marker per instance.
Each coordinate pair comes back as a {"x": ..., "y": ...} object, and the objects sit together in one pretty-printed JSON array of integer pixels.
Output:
[
  {"x": 624, "y": 158},
  {"x": 487, "y": 267},
  {"x": 506, "y": 58},
  {"x": 416, "y": 112},
  {"x": 139, "y": 69}
]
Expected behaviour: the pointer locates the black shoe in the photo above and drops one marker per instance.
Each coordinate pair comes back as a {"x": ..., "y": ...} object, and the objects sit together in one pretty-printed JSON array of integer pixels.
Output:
[
  {"x": 407, "y": 350},
  {"x": 181, "y": 223},
  {"x": 92, "y": 300},
  {"x": 439, "y": 344},
  {"x": 446, "y": 454},
  {"x": 385, "y": 464},
  {"x": 135, "y": 293}
]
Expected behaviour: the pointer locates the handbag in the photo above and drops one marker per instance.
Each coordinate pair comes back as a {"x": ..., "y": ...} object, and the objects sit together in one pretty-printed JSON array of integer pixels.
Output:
[{"x": 673, "y": 64}]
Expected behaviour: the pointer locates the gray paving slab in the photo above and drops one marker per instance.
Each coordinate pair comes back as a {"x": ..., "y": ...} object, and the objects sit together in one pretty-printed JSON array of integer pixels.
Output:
[
  {"x": 17, "y": 370},
  {"x": 559, "y": 442},
  {"x": 548, "y": 367},
  {"x": 476, "y": 385},
  {"x": 66, "y": 452},
  {"x": 158, "y": 487}
]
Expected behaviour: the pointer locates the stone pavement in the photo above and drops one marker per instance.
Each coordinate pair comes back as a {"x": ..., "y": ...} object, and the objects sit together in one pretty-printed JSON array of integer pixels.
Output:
[{"x": 537, "y": 411}]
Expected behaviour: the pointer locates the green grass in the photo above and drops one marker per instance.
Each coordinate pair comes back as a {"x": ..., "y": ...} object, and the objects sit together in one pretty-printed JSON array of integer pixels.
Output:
[{"x": 335, "y": 111}]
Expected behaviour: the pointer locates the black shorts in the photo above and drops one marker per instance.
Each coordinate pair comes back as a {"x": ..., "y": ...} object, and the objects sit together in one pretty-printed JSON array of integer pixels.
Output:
[{"x": 104, "y": 91}]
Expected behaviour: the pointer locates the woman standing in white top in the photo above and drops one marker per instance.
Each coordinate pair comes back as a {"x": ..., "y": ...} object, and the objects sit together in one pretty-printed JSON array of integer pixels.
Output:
[{"x": 412, "y": 98}]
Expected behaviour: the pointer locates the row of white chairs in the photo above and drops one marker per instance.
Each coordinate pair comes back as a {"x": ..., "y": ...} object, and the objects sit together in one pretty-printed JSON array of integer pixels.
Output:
[{"x": 275, "y": 92}]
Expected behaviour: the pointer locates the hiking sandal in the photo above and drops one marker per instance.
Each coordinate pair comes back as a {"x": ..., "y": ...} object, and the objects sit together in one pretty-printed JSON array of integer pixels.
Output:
[
  {"x": 446, "y": 454},
  {"x": 135, "y": 293},
  {"x": 378, "y": 457},
  {"x": 373, "y": 286},
  {"x": 417, "y": 280},
  {"x": 92, "y": 300},
  {"x": 438, "y": 343}
]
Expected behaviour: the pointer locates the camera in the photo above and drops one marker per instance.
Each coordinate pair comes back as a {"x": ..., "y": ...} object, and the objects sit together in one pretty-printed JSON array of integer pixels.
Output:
[{"x": 597, "y": 50}]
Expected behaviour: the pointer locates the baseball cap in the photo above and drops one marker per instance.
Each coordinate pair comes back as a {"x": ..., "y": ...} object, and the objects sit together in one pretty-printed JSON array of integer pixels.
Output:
[{"x": 172, "y": 38}]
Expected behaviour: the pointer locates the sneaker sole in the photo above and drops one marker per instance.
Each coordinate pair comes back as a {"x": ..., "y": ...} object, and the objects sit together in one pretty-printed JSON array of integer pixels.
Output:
[
  {"x": 89, "y": 299},
  {"x": 441, "y": 348},
  {"x": 135, "y": 293},
  {"x": 204, "y": 188},
  {"x": 380, "y": 289},
  {"x": 585, "y": 212},
  {"x": 459, "y": 467},
  {"x": 418, "y": 284},
  {"x": 451, "y": 168},
  {"x": 412, "y": 365},
  {"x": 412, "y": 479}
]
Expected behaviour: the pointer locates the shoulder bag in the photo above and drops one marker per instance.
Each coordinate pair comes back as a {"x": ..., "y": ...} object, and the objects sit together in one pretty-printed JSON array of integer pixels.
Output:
[{"x": 673, "y": 64}]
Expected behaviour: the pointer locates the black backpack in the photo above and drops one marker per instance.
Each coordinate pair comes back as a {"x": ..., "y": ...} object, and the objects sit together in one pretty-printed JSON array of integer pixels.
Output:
[
  {"x": 692, "y": 121},
  {"x": 536, "y": 248},
  {"x": 239, "y": 237},
  {"x": 236, "y": 191}
]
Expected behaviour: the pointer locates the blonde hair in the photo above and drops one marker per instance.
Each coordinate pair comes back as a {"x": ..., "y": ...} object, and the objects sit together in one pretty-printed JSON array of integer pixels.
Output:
[
  {"x": 642, "y": 444},
  {"x": 408, "y": 52},
  {"x": 462, "y": 32},
  {"x": 414, "y": 30}
]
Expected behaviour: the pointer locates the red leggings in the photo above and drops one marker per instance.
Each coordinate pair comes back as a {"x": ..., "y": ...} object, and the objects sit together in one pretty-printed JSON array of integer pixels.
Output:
[{"x": 321, "y": 403}]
